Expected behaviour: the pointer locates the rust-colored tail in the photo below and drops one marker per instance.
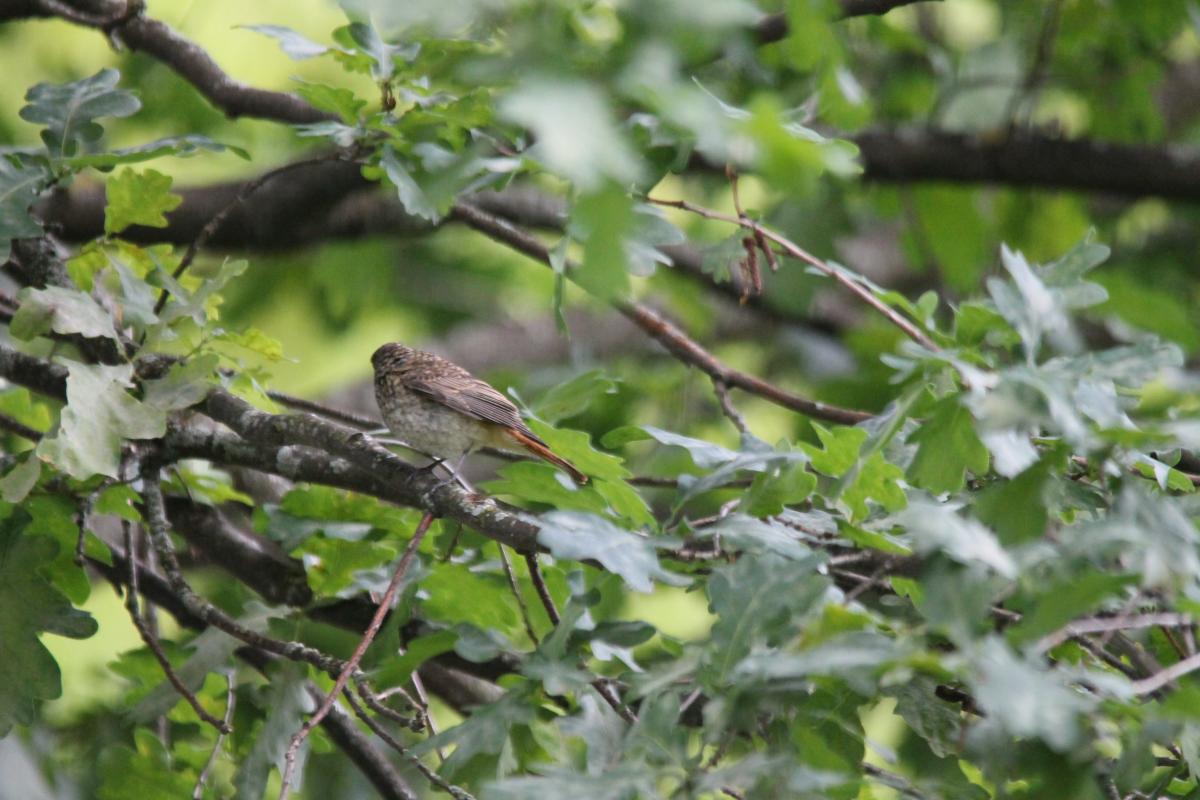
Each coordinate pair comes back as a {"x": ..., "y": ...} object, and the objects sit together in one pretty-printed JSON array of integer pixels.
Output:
[{"x": 539, "y": 448}]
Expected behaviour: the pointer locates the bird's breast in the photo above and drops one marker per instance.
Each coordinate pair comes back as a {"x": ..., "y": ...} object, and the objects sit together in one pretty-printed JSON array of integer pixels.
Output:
[{"x": 426, "y": 424}]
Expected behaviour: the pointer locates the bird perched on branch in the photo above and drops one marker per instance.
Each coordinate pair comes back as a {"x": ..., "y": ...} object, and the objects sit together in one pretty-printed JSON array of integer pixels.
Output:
[{"x": 439, "y": 408}]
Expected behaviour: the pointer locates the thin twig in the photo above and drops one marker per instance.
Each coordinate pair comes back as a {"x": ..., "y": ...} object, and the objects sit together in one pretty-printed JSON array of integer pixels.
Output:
[
  {"x": 601, "y": 685},
  {"x": 795, "y": 251},
  {"x": 19, "y": 428},
  {"x": 159, "y": 527},
  {"x": 678, "y": 343},
  {"x": 539, "y": 583},
  {"x": 1082, "y": 627},
  {"x": 727, "y": 408},
  {"x": 375, "y": 702},
  {"x": 516, "y": 592},
  {"x": 385, "y": 606},
  {"x": 341, "y": 415},
  {"x": 427, "y": 719},
  {"x": 83, "y": 517},
  {"x": 210, "y": 229},
  {"x": 230, "y": 699},
  {"x": 131, "y": 603},
  {"x": 1165, "y": 676},
  {"x": 456, "y": 792}
]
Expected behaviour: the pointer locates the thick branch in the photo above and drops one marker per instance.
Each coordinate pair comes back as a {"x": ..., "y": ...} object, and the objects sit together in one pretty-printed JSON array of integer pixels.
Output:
[
  {"x": 386, "y": 473},
  {"x": 1033, "y": 160},
  {"x": 774, "y": 27},
  {"x": 332, "y": 201},
  {"x": 187, "y": 59},
  {"x": 255, "y": 561}
]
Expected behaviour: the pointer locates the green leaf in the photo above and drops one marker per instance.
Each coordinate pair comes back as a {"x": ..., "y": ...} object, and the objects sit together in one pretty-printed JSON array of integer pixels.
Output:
[
  {"x": 705, "y": 455},
  {"x": 69, "y": 110},
  {"x": 1017, "y": 508},
  {"x": 580, "y": 536},
  {"x": 286, "y": 703},
  {"x": 939, "y": 528},
  {"x": 576, "y": 447},
  {"x": 1025, "y": 698},
  {"x": 100, "y": 415},
  {"x": 340, "y": 568},
  {"x": 336, "y": 99},
  {"x": 180, "y": 146},
  {"x": 138, "y": 198},
  {"x": 295, "y": 45},
  {"x": 574, "y": 396},
  {"x": 851, "y": 657},
  {"x": 398, "y": 670},
  {"x": 21, "y": 479},
  {"x": 194, "y": 305},
  {"x": 541, "y": 483},
  {"x": 456, "y": 595},
  {"x": 875, "y": 479},
  {"x": 20, "y": 185},
  {"x": 603, "y": 220},
  {"x": 28, "y": 673},
  {"x": 1063, "y": 600},
  {"x": 771, "y": 492},
  {"x": 624, "y": 501},
  {"x": 185, "y": 384},
  {"x": 758, "y": 601},
  {"x": 616, "y": 783},
  {"x": 210, "y": 650},
  {"x": 382, "y": 54},
  {"x": 66, "y": 311},
  {"x": 937, "y": 722},
  {"x": 485, "y": 732},
  {"x": 255, "y": 341},
  {"x": 765, "y": 536},
  {"x": 838, "y": 451},
  {"x": 410, "y": 193},
  {"x": 574, "y": 130},
  {"x": 146, "y": 773},
  {"x": 948, "y": 448}
]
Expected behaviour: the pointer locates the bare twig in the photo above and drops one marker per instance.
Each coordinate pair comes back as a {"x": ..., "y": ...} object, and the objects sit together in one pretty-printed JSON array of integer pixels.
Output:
[
  {"x": 795, "y": 251},
  {"x": 83, "y": 517},
  {"x": 427, "y": 720},
  {"x": 131, "y": 603},
  {"x": 539, "y": 583},
  {"x": 516, "y": 592},
  {"x": 456, "y": 792},
  {"x": 1043, "y": 55},
  {"x": 156, "y": 517},
  {"x": 727, "y": 407},
  {"x": 1161, "y": 678},
  {"x": 376, "y": 704},
  {"x": 230, "y": 699},
  {"x": 207, "y": 232},
  {"x": 667, "y": 334},
  {"x": 341, "y": 415},
  {"x": 1082, "y": 627},
  {"x": 385, "y": 606},
  {"x": 19, "y": 428}
]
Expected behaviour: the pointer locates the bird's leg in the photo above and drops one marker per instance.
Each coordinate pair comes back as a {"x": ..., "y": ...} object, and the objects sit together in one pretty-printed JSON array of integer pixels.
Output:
[{"x": 457, "y": 475}]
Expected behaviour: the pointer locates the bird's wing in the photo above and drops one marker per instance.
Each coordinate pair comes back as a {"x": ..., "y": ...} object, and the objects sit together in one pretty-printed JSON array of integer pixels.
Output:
[{"x": 469, "y": 395}]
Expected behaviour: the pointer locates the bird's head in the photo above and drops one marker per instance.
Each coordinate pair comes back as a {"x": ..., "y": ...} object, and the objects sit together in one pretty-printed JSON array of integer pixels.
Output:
[{"x": 391, "y": 356}]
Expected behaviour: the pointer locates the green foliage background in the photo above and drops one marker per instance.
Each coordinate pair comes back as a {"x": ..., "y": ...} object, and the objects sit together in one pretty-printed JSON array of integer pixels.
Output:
[{"x": 985, "y": 589}]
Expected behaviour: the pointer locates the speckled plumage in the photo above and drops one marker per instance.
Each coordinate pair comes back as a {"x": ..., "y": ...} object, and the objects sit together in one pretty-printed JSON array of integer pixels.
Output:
[{"x": 439, "y": 408}]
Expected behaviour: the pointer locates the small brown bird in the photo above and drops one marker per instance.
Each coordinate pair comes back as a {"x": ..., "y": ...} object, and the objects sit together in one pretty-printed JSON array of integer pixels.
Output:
[{"x": 442, "y": 410}]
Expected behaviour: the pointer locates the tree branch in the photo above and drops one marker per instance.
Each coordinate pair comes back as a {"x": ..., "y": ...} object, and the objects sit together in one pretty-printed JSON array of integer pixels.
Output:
[
  {"x": 667, "y": 334},
  {"x": 125, "y": 22},
  {"x": 774, "y": 27}
]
